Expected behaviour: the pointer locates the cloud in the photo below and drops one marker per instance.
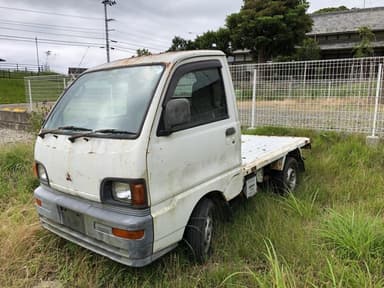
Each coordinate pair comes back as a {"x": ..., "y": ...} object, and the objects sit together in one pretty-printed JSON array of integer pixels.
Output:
[{"x": 139, "y": 24}]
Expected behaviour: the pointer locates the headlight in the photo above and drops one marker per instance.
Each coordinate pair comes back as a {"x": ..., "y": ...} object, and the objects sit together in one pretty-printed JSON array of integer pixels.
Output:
[
  {"x": 41, "y": 173},
  {"x": 130, "y": 192},
  {"x": 121, "y": 192}
]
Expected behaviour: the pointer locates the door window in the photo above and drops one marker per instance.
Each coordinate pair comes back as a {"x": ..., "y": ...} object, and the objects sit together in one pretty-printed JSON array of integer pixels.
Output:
[{"x": 205, "y": 93}]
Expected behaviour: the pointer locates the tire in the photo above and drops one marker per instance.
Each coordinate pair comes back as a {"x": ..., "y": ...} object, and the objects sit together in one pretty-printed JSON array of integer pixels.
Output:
[
  {"x": 286, "y": 181},
  {"x": 200, "y": 229}
]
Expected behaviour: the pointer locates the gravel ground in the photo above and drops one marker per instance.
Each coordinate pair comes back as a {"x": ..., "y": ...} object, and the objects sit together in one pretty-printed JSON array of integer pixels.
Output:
[{"x": 15, "y": 136}]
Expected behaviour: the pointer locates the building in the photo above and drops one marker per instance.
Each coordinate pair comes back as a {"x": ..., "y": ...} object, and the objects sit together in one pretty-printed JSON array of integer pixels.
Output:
[
  {"x": 337, "y": 32},
  {"x": 76, "y": 70},
  {"x": 240, "y": 57}
]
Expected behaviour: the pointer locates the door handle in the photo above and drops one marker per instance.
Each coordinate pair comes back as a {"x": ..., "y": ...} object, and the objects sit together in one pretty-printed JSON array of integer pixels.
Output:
[{"x": 230, "y": 131}]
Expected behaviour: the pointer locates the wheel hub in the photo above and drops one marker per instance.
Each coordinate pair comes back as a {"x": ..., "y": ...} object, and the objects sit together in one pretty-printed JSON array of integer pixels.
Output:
[
  {"x": 291, "y": 179},
  {"x": 208, "y": 234}
]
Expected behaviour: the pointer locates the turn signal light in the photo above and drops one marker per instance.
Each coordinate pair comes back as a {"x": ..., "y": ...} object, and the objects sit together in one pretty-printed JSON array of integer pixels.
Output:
[
  {"x": 131, "y": 235},
  {"x": 38, "y": 202},
  {"x": 34, "y": 167},
  {"x": 138, "y": 195}
]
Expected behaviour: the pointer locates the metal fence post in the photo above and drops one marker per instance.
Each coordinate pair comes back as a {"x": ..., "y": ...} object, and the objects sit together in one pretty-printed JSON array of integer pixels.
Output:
[
  {"x": 361, "y": 76},
  {"x": 329, "y": 90},
  {"x": 379, "y": 75},
  {"x": 30, "y": 95},
  {"x": 253, "y": 99},
  {"x": 305, "y": 78},
  {"x": 65, "y": 83}
]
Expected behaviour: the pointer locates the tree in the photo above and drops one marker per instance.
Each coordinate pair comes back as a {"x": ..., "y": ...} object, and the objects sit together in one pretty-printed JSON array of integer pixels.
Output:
[
  {"x": 180, "y": 44},
  {"x": 364, "y": 48},
  {"x": 143, "y": 52},
  {"x": 309, "y": 50},
  {"x": 269, "y": 27},
  {"x": 220, "y": 39},
  {"x": 331, "y": 9}
]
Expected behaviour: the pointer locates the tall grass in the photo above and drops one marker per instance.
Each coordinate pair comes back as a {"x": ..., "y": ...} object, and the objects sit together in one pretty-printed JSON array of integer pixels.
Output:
[
  {"x": 327, "y": 234},
  {"x": 278, "y": 274},
  {"x": 353, "y": 235}
]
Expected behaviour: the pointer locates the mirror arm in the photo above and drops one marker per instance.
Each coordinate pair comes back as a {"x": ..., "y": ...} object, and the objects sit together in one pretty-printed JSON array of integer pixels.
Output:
[{"x": 164, "y": 132}]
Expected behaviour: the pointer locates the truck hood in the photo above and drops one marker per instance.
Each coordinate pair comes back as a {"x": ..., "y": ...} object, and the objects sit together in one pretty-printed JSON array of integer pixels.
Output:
[{"x": 78, "y": 168}]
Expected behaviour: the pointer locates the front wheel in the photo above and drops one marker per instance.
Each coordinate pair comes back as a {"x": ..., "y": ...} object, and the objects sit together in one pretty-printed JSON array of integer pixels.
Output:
[{"x": 200, "y": 229}]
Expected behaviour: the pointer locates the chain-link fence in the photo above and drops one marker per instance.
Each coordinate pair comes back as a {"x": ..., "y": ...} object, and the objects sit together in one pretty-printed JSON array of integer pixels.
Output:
[
  {"x": 19, "y": 71},
  {"x": 343, "y": 95},
  {"x": 44, "y": 89},
  {"x": 340, "y": 95}
]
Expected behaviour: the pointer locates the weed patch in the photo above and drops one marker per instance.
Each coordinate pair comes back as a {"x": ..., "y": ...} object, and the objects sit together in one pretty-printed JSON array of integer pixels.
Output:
[
  {"x": 329, "y": 233},
  {"x": 353, "y": 235}
]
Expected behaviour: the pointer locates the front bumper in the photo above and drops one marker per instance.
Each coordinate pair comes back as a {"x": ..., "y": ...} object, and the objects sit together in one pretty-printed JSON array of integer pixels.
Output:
[{"x": 89, "y": 224}]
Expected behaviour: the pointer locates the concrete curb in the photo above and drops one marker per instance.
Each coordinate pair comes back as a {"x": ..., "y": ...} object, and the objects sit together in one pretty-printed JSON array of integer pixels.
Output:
[{"x": 15, "y": 119}]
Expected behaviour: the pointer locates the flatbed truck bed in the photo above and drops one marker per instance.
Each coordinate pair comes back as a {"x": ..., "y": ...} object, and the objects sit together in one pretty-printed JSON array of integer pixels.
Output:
[{"x": 260, "y": 151}]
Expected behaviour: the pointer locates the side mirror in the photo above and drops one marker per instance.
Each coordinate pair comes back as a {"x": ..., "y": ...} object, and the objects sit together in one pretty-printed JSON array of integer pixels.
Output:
[{"x": 177, "y": 112}]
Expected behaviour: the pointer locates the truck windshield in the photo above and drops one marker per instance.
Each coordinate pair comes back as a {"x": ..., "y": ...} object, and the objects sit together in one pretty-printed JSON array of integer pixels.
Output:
[{"x": 112, "y": 99}]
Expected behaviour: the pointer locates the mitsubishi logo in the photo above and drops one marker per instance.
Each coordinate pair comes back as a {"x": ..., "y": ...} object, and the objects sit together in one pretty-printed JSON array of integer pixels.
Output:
[{"x": 68, "y": 177}]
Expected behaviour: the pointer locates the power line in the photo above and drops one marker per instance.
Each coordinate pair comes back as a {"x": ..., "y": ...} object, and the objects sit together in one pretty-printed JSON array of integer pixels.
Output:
[
  {"x": 88, "y": 30},
  {"x": 124, "y": 49},
  {"x": 54, "y": 27},
  {"x": 49, "y": 13},
  {"x": 139, "y": 45},
  {"x": 64, "y": 42},
  {"x": 144, "y": 42},
  {"x": 139, "y": 36},
  {"x": 131, "y": 48},
  {"x": 50, "y": 41},
  {"x": 45, "y": 42},
  {"x": 48, "y": 33}
]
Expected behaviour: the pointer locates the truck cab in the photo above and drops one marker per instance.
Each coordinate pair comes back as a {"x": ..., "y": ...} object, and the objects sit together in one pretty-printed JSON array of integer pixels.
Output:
[{"x": 140, "y": 153}]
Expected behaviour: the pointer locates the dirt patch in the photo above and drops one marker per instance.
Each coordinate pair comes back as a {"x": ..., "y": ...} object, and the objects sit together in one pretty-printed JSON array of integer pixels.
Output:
[
  {"x": 15, "y": 136},
  {"x": 49, "y": 284}
]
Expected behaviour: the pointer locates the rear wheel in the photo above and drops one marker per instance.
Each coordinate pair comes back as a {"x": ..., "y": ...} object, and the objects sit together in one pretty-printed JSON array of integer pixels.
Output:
[
  {"x": 200, "y": 229},
  {"x": 286, "y": 181}
]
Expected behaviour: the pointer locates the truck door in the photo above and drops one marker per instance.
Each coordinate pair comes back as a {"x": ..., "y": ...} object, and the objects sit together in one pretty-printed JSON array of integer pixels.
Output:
[{"x": 202, "y": 150}]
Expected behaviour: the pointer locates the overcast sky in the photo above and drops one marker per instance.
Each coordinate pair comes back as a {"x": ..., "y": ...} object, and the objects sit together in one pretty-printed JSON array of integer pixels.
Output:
[{"x": 138, "y": 24}]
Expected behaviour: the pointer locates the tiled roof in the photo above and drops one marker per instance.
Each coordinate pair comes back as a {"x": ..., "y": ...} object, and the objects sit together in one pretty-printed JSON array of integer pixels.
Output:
[
  {"x": 347, "y": 45},
  {"x": 348, "y": 21}
]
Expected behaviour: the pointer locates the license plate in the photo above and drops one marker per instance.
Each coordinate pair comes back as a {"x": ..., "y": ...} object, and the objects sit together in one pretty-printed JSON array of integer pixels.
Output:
[{"x": 72, "y": 219}]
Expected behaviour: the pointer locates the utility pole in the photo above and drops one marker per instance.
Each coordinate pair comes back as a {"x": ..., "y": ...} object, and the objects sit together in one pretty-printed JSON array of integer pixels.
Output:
[
  {"x": 110, "y": 3},
  {"x": 37, "y": 55}
]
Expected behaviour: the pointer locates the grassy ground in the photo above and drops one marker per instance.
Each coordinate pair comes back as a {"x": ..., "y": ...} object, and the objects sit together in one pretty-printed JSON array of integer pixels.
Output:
[
  {"x": 328, "y": 234},
  {"x": 12, "y": 88},
  {"x": 281, "y": 90},
  {"x": 12, "y": 91}
]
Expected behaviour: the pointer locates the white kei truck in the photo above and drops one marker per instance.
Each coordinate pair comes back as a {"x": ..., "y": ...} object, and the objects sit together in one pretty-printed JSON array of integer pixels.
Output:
[{"x": 141, "y": 153}]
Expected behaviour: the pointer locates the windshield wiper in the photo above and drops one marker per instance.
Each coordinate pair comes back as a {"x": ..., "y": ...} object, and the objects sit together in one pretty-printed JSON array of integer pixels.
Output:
[
  {"x": 59, "y": 129},
  {"x": 102, "y": 131}
]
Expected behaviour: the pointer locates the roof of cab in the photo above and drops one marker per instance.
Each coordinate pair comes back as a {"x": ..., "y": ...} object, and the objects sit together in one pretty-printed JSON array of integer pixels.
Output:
[{"x": 167, "y": 58}]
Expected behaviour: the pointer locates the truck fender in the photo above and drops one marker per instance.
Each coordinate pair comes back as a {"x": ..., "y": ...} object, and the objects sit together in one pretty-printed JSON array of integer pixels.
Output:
[
  {"x": 278, "y": 165},
  {"x": 217, "y": 197}
]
